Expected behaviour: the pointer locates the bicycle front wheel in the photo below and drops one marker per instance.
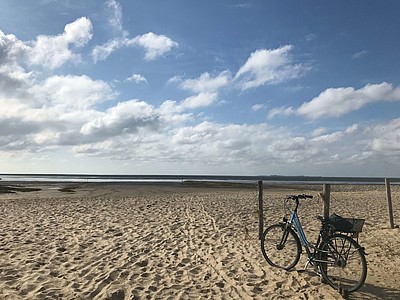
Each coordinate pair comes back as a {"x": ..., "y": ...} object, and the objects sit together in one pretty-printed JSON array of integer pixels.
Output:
[
  {"x": 344, "y": 266},
  {"x": 281, "y": 246}
]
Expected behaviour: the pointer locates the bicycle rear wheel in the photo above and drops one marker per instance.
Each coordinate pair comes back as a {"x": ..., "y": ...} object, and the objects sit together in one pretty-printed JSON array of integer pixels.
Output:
[
  {"x": 344, "y": 267},
  {"x": 281, "y": 246}
]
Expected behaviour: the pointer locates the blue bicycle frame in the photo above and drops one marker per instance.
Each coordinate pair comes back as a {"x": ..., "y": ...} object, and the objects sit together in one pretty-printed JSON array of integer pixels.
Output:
[{"x": 296, "y": 223}]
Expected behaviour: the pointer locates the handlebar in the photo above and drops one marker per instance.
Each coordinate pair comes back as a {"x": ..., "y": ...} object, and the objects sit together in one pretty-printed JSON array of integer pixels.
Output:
[{"x": 297, "y": 197}]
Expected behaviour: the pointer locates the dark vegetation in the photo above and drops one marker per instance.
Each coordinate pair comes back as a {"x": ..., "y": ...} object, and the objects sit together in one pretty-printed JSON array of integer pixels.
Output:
[{"x": 4, "y": 189}]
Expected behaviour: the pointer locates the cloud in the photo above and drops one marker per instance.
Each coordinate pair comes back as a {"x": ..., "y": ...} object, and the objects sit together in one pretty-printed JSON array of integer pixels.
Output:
[
  {"x": 329, "y": 138},
  {"x": 268, "y": 67},
  {"x": 335, "y": 102},
  {"x": 200, "y": 100},
  {"x": 257, "y": 107},
  {"x": 206, "y": 83},
  {"x": 310, "y": 37},
  {"x": 72, "y": 92},
  {"x": 280, "y": 111},
  {"x": 116, "y": 17},
  {"x": 318, "y": 131},
  {"x": 38, "y": 113},
  {"x": 137, "y": 78},
  {"x": 263, "y": 67},
  {"x": 206, "y": 87},
  {"x": 101, "y": 52},
  {"x": 78, "y": 32},
  {"x": 206, "y": 143},
  {"x": 46, "y": 51},
  {"x": 360, "y": 54},
  {"x": 386, "y": 138},
  {"x": 155, "y": 45},
  {"x": 63, "y": 110},
  {"x": 126, "y": 117},
  {"x": 53, "y": 51}
]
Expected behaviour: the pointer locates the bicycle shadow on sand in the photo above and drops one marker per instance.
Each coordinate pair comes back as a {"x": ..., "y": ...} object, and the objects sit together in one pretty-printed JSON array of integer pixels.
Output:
[
  {"x": 368, "y": 291},
  {"x": 371, "y": 291}
]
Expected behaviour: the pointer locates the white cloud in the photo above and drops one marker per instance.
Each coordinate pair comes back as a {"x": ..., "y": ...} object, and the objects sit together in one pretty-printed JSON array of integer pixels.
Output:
[
  {"x": 125, "y": 117},
  {"x": 360, "y": 54},
  {"x": 137, "y": 78},
  {"x": 318, "y": 131},
  {"x": 352, "y": 129},
  {"x": 78, "y": 32},
  {"x": 53, "y": 51},
  {"x": 39, "y": 114},
  {"x": 205, "y": 83},
  {"x": 72, "y": 92},
  {"x": 329, "y": 138},
  {"x": 206, "y": 86},
  {"x": 101, "y": 52},
  {"x": 200, "y": 100},
  {"x": 283, "y": 111},
  {"x": 115, "y": 18},
  {"x": 62, "y": 110},
  {"x": 310, "y": 37},
  {"x": 268, "y": 67},
  {"x": 155, "y": 45},
  {"x": 386, "y": 138},
  {"x": 46, "y": 51},
  {"x": 34, "y": 112},
  {"x": 257, "y": 107},
  {"x": 335, "y": 102}
]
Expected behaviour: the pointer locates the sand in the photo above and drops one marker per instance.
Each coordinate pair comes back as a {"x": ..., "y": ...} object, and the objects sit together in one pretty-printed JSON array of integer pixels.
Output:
[{"x": 130, "y": 241}]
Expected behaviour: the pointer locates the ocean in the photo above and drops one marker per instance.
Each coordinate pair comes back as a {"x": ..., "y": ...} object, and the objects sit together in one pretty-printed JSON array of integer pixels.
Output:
[{"x": 272, "y": 179}]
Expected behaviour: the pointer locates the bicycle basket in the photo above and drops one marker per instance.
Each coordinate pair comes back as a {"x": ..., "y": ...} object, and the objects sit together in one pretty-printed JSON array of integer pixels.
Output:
[{"x": 348, "y": 225}]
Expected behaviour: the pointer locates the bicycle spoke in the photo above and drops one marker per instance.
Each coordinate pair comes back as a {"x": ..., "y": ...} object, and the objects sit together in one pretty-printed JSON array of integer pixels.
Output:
[
  {"x": 345, "y": 265},
  {"x": 280, "y": 247}
]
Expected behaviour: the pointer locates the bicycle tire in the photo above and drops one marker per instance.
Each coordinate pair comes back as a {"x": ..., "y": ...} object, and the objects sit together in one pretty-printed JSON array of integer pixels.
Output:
[
  {"x": 345, "y": 268},
  {"x": 284, "y": 256}
]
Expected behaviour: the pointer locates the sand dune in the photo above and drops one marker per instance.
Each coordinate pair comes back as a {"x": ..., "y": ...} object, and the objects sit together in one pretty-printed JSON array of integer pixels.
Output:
[{"x": 174, "y": 242}]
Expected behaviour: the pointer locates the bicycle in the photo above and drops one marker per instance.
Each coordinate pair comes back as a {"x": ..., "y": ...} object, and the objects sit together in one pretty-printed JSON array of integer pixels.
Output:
[{"x": 336, "y": 255}]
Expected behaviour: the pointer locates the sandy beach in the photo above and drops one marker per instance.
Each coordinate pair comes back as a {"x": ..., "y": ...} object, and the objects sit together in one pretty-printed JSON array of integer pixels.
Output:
[{"x": 132, "y": 241}]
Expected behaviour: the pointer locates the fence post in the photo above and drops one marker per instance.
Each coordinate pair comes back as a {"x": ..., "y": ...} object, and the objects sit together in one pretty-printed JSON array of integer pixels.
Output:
[
  {"x": 389, "y": 200},
  {"x": 326, "y": 197},
  {"x": 260, "y": 210}
]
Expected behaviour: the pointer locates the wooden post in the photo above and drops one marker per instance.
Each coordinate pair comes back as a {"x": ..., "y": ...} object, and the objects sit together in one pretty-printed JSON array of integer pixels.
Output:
[
  {"x": 260, "y": 210},
  {"x": 326, "y": 197},
  {"x": 389, "y": 200}
]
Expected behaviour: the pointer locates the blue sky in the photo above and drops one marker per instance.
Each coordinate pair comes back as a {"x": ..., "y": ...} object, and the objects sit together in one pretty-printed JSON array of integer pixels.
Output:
[{"x": 200, "y": 87}]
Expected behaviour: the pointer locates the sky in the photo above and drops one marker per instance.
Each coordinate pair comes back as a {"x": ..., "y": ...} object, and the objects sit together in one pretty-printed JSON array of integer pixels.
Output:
[{"x": 228, "y": 87}]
